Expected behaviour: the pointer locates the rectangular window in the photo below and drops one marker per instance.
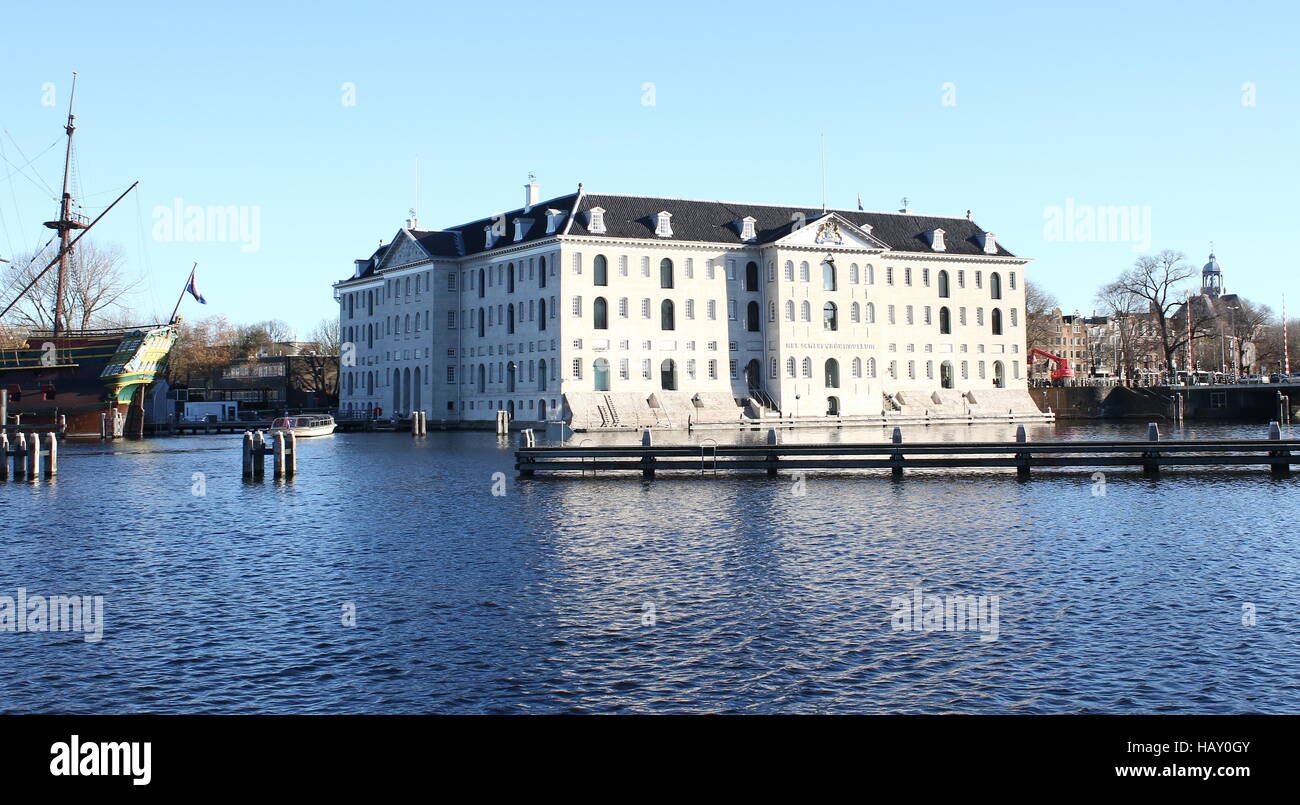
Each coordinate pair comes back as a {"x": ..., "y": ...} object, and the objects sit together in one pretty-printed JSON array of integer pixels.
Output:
[
  {"x": 622, "y": 369},
  {"x": 451, "y": 281},
  {"x": 645, "y": 266},
  {"x": 577, "y": 262},
  {"x": 961, "y": 278},
  {"x": 451, "y": 374},
  {"x": 622, "y": 265},
  {"x": 645, "y": 369},
  {"x": 622, "y": 308},
  {"x": 925, "y": 277},
  {"x": 891, "y": 314},
  {"x": 690, "y": 308},
  {"x": 577, "y": 368},
  {"x": 732, "y": 367},
  {"x": 577, "y": 306},
  {"x": 907, "y": 277},
  {"x": 645, "y": 308},
  {"x": 713, "y": 309},
  {"x": 731, "y": 310},
  {"x": 889, "y": 275},
  {"x": 713, "y": 370},
  {"x": 451, "y": 319}
]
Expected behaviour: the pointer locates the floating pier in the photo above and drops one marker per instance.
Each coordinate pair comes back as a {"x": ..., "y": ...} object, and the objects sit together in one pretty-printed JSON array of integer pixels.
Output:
[{"x": 1151, "y": 454}]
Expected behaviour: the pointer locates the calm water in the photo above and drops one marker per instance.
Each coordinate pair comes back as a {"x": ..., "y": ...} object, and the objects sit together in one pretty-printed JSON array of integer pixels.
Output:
[{"x": 763, "y": 600}]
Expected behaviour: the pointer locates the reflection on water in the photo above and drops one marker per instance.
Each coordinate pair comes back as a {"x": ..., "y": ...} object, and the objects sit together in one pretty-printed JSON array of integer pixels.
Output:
[{"x": 717, "y": 594}]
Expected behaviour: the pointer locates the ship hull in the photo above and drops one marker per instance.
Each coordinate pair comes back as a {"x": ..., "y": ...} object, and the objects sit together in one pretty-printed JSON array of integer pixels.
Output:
[{"x": 85, "y": 385}]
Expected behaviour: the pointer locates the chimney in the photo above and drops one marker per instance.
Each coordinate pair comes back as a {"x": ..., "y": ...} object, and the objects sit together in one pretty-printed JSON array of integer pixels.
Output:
[{"x": 532, "y": 193}]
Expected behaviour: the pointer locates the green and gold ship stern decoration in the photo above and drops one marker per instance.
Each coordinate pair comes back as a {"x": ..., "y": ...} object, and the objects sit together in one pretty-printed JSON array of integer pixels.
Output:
[{"x": 140, "y": 356}]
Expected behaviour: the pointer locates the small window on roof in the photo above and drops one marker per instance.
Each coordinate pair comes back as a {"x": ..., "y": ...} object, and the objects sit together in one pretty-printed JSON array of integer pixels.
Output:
[
  {"x": 664, "y": 224},
  {"x": 489, "y": 238},
  {"x": 553, "y": 218},
  {"x": 596, "y": 221},
  {"x": 747, "y": 228},
  {"x": 936, "y": 240}
]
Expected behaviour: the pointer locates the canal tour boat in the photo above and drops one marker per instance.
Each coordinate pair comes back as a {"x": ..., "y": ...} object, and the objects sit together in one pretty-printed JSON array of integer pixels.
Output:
[{"x": 304, "y": 426}]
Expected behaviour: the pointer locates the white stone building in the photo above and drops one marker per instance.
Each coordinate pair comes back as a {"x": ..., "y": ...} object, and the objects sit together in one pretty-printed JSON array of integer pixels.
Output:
[{"x": 622, "y": 311}]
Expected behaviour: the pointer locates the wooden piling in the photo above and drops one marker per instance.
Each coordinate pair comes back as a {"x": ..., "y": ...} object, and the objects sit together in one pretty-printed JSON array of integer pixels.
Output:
[
  {"x": 648, "y": 462},
  {"x": 4, "y": 455},
  {"x": 279, "y": 455},
  {"x": 4, "y": 408},
  {"x": 1281, "y": 467},
  {"x": 20, "y": 457},
  {"x": 34, "y": 458},
  {"x": 52, "y": 453},
  {"x": 772, "y": 458},
  {"x": 1022, "y": 459},
  {"x": 248, "y": 454},
  {"x": 896, "y": 459},
  {"x": 1151, "y": 467},
  {"x": 291, "y": 459}
]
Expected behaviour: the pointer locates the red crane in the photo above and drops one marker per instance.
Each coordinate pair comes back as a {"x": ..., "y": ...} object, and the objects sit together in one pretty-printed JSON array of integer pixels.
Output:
[{"x": 1062, "y": 370}]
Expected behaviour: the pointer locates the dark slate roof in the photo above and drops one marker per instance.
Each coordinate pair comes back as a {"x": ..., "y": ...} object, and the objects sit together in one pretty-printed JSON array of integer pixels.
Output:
[
  {"x": 715, "y": 222},
  {"x": 633, "y": 217}
]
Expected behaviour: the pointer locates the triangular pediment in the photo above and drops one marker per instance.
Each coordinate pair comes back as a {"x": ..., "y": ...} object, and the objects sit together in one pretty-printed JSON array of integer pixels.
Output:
[
  {"x": 404, "y": 250},
  {"x": 831, "y": 231}
]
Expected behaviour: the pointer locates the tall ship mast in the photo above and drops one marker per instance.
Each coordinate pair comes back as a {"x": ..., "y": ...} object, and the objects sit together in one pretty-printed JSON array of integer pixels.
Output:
[{"x": 79, "y": 382}]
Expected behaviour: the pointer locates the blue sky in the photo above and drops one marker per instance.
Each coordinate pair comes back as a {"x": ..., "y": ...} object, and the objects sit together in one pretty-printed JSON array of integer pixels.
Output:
[{"x": 1188, "y": 112}]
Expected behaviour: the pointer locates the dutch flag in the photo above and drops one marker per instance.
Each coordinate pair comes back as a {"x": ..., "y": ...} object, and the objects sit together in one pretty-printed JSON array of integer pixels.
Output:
[{"x": 193, "y": 288}]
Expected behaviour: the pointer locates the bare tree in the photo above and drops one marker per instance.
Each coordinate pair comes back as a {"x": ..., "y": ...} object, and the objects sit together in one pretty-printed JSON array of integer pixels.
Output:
[
  {"x": 1133, "y": 326},
  {"x": 95, "y": 287},
  {"x": 1041, "y": 308},
  {"x": 318, "y": 369},
  {"x": 203, "y": 348},
  {"x": 1159, "y": 282}
]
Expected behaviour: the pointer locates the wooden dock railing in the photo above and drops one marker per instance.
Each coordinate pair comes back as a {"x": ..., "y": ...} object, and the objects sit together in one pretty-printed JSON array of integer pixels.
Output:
[{"x": 1150, "y": 455}]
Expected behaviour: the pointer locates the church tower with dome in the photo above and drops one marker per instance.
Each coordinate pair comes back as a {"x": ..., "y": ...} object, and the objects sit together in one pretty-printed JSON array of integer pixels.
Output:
[{"x": 1212, "y": 278}]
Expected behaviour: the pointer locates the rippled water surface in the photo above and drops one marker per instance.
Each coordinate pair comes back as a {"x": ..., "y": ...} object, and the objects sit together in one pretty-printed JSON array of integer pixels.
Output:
[{"x": 764, "y": 600}]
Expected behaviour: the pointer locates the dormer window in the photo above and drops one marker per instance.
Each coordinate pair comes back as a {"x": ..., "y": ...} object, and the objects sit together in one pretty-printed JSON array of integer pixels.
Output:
[
  {"x": 489, "y": 239},
  {"x": 990, "y": 242},
  {"x": 747, "y": 228},
  {"x": 664, "y": 225},
  {"x": 522, "y": 225},
  {"x": 596, "y": 221},
  {"x": 553, "y": 218},
  {"x": 936, "y": 240}
]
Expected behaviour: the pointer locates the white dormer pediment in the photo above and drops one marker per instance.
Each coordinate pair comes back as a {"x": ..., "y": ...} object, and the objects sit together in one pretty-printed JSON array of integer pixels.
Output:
[
  {"x": 553, "y": 219},
  {"x": 404, "y": 250},
  {"x": 522, "y": 225},
  {"x": 596, "y": 220},
  {"x": 830, "y": 231}
]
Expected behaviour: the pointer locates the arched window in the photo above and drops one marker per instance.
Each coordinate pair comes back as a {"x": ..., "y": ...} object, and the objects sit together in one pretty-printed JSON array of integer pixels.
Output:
[
  {"x": 871, "y": 313},
  {"x": 832, "y": 406},
  {"x": 510, "y": 318},
  {"x": 790, "y": 367},
  {"x": 541, "y": 375},
  {"x": 510, "y": 278},
  {"x": 407, "y": 324},
  {"x": 666, "y": 273},
  {"x": 481, "y": 321},
  {"x": 828, "y": 276},
  {"x": 667, "y": 320},
  {"x": 945, "y": 374},
  {"x": 807, "y": 367},
  {"x": 871, "y": 367},
  {"x": 996, "y": 319},
  {"x": 995, "y": 286},
  {"x": 830, "y": 317},
  {"x": 789, "y": 271},
  {"x": 668, "y": 375},
  {"x": 482, "y": 283},
  {"x": 600, "y": 312},
  {"x": 855, "y": 313},
  {"x": 789, "y": 310},
  {"x": 752, "y": 321},
  {"x": 805, "y": 310},
  {"x": 541, "y": 313},
  {"x": 857, "y": 367},
  {"x": 512, "y": 371},
  {"x": 541, "y": 272},
  {"x": 870, "y": 272},
  {"x": 943, "y": 285},
  {"x": 482, "y": 378},
  {"x": 600, "y": 374},
  {"x": 945, "y": 321},
  {"x": 600, "y": 271},
  {"x": 751, "y": 276},
  {"x": 832, "y": 373}
]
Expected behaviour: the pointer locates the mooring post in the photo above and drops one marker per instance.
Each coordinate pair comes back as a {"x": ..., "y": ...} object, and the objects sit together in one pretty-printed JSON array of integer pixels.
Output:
[
  {"x": 897, "y": 458},
  {"x": 1281, "y": 408},
  {"x": 20, "y": 457},
  {"x": 4, "y": 408},
  {"x": 4, "y": 455},
  {"x": 259, "y": 454},
  {"x": 647, "y": 461},
  {"x": 1022, "y": 458},
  {"x": 34, "y": 458},
  {"x": 291, "y": 458},
  {"x": 773, "y": 440},
  {"x": 1151, "y": 465},
  {"x": 103, "y": 426},
  {"x": 52, "y": 466},
  {"x": 1280, "y": 467},
  {"x": 278, "y": 468},
  {"x": 248, "y": 454},
  {"x": 1178, "y": 407}
]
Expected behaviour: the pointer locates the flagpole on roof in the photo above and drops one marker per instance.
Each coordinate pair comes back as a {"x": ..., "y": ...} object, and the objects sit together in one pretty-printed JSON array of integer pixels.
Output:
[{"x": 184, "y": 288}]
